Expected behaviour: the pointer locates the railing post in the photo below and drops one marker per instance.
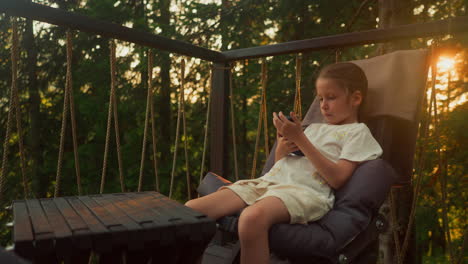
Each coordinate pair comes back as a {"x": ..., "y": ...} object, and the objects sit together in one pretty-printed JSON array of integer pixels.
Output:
[{"x": 219, "y": 119}]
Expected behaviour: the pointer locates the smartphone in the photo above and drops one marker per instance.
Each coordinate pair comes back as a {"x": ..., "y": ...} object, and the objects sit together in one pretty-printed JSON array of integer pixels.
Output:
[{"x": 297, "y": 152}]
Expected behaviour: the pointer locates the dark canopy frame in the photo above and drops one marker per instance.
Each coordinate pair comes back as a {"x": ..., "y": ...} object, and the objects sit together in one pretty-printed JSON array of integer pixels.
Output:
[{"x": 220, "y": 81}]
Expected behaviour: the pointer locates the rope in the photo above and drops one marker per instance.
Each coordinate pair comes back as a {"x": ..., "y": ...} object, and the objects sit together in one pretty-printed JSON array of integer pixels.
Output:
[
  {"x": 66, "y": 106},
  {"x": 116, "y": 123},
  {"x": 205, "y": 138},
  {"x": 463, "y": 246},
  {"x": 112, "y": 109},
  {"x": 153, "y": 128},
  {"x": 442, "y": 179},
  {"x": 184, "y": 126},
  {"x": 233, "y": 128},
  {"x": 394, "y": 226},
  {"x": 109, "y": 122},
  {"x": 264, "y": 104},
  {"x": 18, "y": 122},
  {"x": 72, "y": 113},
  {"x": 297, "y": 98},
  {"x": 260, "y": 119},
  {"x": 424, "y": 131},
  {"x": 148, "y": 102},
  {"x": 337, "y": 55},
  {"x": 176, "y": 144},
  {"x": 13, "y": 92}
]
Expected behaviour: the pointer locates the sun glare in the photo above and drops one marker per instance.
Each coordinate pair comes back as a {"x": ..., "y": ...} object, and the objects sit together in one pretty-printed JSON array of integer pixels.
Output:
[
  {"x": 446, "y": 76},
  {"x": 445, "y": 64}
]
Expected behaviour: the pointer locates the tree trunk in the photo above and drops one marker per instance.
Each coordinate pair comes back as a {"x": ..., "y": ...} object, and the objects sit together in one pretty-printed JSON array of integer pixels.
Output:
[
  {"x": 393, "y": 13},
  {"x": 39, "y": 180}
]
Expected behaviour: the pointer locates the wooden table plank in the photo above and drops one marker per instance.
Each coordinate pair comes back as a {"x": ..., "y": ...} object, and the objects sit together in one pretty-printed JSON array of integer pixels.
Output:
[
  {"x": 147, "y": 219},
  {"x": 166, "y": 214},
  {"x": 62, "y": 233},
  {"x": 134, "y": 230},
  {"x": 80, "y": 231},
  {"x": 23, "y": 236},
  {"x": 43, "y": 232},
  {"x": 201, "y": 222},
  {"x": 101, "y": 237},
  {"x": 118, "y": 232},
  {"x": 199, "y": 225},
  {"x": 157, "y": 229}
]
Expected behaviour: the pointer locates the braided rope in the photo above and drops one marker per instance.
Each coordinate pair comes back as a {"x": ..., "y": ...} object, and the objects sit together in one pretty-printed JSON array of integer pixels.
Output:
[
  {"x": 260, "y": 119},
  {"x": 109, "y": 118},
  {"x": 337, "y": 55},
  {"x": 13, "y": 90},
  {"x": 297, "y": 97},
  {"x": 184, "y": 127},
  {"x": 153, "y": 127},
  {"x": 116, "y": 120},
  {"x": 18, "y": 118},
  {"x": 424, "y": 131},
  {"x": 233, "y": 128},
  {"x": 394, "y": 223},
  {"x": 442, "y": 179},
  {"x": 66, "y": 106},
  {"x": 143, "y": 148},
  {"x": 176, "y": 144},
  {"x": 20, "y": 143},
  {"x": 117, "y": 138},
  {"x": 264, "y": 104},
  {"x": 72, "y": 114},
  {"x": 207, "y": 121}
]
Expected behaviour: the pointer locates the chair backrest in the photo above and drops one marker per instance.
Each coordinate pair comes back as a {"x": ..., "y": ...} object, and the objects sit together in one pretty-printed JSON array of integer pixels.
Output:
[{"x": 392, "y": 112}]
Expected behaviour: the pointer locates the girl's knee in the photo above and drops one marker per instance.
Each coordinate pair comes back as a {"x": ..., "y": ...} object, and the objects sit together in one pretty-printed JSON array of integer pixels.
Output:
[
  {"x": 252, "y": 221},
  {"x": 192, "y": 204}
]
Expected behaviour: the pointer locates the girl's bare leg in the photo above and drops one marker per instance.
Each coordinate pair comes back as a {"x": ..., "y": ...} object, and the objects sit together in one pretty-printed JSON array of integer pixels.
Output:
[
  {"x": 254, "y": 223},
  {"x": 218, "y": 204}
]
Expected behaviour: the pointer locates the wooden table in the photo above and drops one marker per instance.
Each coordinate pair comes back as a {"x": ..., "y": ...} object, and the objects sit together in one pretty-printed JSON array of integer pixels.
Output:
[{"x": 137, "y": 227}]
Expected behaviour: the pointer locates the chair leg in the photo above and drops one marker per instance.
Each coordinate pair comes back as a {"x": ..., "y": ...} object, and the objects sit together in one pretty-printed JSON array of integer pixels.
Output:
[{"x": 368, "y": 256}]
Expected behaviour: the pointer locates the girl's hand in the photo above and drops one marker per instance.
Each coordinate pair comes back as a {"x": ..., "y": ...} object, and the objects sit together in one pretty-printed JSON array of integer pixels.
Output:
[
  {"x": 283, "y": 147},
  {"x": 288, "y": 129}
]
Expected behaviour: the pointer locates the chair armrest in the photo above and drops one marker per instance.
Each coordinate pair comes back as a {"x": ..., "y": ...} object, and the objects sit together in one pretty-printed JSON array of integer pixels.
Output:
[{"x": 211, "y": 183}]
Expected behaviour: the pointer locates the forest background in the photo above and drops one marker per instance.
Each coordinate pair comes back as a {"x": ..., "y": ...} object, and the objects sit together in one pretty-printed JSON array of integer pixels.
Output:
[{"x": 218, "y": 25}]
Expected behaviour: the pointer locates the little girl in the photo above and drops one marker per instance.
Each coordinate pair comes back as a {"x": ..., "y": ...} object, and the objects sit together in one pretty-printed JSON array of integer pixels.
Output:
[{"x": 299, "y": 189}]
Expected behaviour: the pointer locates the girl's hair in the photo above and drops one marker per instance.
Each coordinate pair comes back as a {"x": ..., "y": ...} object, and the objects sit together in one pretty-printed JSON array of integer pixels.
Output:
[{"x": 349, "y": 76}]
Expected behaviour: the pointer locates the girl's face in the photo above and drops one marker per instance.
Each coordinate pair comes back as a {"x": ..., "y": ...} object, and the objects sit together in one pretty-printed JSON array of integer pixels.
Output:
[{"x": 337, "y": 106}]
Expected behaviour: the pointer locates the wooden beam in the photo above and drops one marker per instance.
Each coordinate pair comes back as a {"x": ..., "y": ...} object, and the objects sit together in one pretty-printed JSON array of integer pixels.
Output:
[
  {"x": 55, "y": 16},
  {"x": 428, "y": 29},
  {"x": 219, "y": 119}
]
